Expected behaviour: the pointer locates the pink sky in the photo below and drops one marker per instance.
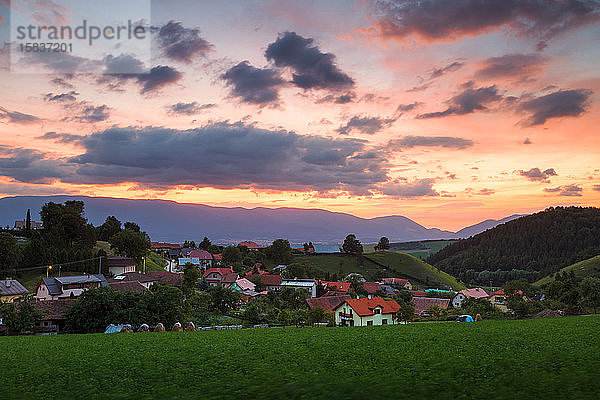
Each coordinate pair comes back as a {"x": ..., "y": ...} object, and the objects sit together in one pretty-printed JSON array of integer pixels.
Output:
[{"x": 367, "y": 109}]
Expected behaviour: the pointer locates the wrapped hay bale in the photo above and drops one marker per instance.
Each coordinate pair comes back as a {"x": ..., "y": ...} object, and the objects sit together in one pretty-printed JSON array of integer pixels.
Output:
[
  {"x": 177, "y": 327},
  {"x": 143, "y": 328},
  {"x": 159, "y": 328},
  {"x": 190, "y": 327}
]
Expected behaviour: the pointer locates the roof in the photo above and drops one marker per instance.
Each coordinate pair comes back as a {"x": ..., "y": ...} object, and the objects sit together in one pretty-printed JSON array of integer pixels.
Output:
[
  {"x": 271, "y": 280},
  {"x": 475, "y": 293},
  {"x": 217, "y": 257},
  {"x": 371, "y": 287},
  {"x": 328, "y": 303},
  {"x": 120, "y": 261},
  {"x": 245, "y": 284},
  {"x": 417, "y": 293},
  {"x": 337, "y": 286},
  {"x": 229, "y": 278},
  {"x": 364, "y": 307},
  {"x": 394, "y": 281},
  {"x": 423, "y": 303},
  {"x": 12, "y": 287},
  {"x": 168, "y": 278},
  {"x": 54, "y": 283},
  {"x": 53, "y": 309},
  {"x": 130, "y": 286},
  {"x": 133, "y": 277},
  {"x": 201, "y": 254},
  {"x": 298, "y": 282},
  {"x": 220, "y": 271},
  {"x": 501, "y": 293},
  {"x": 250, "y": 245}
]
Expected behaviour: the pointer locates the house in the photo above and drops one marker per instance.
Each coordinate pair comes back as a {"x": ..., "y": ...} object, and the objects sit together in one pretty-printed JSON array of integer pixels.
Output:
[
  {"x": 249, "y": 245},
  {"x": 336, "y": 287},
  {"x": 158, "y": 246},
  {"x": 143, "y": 279},
  {"x": 476, "y": 293},
  {"x": 54, "y": 288},
  {"x": 11, "y": 289},
  {"x": 213, "y": 276},
  {"x": 53, "y": 319},
  {"x": 199, "y": 258},
  {"x": 499, "y": 299},
  {"x": 22, "y": 224},
  {"x": 371, "y": 287},
  {"x": 397, "y": 283},
  {"x": 242, "y": 284},
  {"x": 423, "y": 303},
  {"x": 327, "y": 303},
  {"x": 308, "y": 284},
  {"x": 271, "y": 282},
  {"x": 166, "y": 278},
  {"x": 366, "y": 312},
  {"x": 121, "y": 265}
]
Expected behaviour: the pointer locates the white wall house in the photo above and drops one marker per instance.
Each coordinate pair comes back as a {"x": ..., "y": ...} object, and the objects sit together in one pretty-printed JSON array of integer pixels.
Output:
[{"x": 366, "y": 312}]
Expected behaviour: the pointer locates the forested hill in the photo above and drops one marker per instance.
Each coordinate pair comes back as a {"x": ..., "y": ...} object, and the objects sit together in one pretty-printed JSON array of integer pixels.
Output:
[{"x": 528, "y": 247}]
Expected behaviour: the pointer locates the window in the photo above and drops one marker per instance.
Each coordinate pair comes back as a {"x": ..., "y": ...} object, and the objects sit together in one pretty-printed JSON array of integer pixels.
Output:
[
  {"x": 369, "y": 323},
  {"x": 377, "y": 311},
  {"x": 384, "y": 321}
]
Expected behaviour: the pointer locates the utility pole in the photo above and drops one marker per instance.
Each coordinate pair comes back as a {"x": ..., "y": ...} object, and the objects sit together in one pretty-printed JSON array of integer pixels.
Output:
[{"x": 100, "y": 265}]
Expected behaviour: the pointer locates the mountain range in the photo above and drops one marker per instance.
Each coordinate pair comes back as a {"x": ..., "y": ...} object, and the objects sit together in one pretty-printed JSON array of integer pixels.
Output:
[{"x": 166, "y": 220}]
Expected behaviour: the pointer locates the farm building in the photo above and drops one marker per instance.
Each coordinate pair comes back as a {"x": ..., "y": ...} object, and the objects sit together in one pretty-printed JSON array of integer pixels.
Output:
[
  {"x": 121, "y": 265},
  {"x": 366, "y": 312},
  {"x": 307, "y": 284},
  {"x": 54, "y": 288},
  {"x": 10, "y": 290}
]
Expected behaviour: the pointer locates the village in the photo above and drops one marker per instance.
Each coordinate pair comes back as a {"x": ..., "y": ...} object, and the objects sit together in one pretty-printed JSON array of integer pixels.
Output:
[{"x": 353, "y": 301}]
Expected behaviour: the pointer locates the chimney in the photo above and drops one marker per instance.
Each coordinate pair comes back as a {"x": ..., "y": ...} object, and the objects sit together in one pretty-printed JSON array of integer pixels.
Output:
[{"x": 8, "y": 282}]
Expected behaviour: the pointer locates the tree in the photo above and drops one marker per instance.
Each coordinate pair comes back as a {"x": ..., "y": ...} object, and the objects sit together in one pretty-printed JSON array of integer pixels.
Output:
[
  {"x": 109, "y": 228},
  {"x": 223, "y": 299},
  {"x": 64, "y": 224},
  {"x": 189, "y": 245},
  {"x": 10, "y": 253},
  {"x": 231, "y": 255},
  {"x": 205, "y": 244},
  {"x": 281, "y": 251},
  {"x": 132, "y": 226},
  {"x": 590, "y": 291},
  {"x": 384, "y": 244},
  {"x": 191, "y": 276},
  {"x": 352, "y": 245},
  {"x": 134, "y": 244},
  {"x": 28, "y": 221},
  {"x": 316, "y": 315},
  {"x": 20, "y": 316},
  {"x": 406, "y": 312}
]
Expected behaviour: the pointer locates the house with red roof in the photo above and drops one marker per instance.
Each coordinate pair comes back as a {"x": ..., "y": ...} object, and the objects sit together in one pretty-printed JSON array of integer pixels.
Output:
[
  {"x": 371, "y": 287},
  {"x": 366, "y": 312},
  {"x": 423, "y": 303},
  {"x": 249, "y": 245},
  {"x": 397, "y": 283},
  {"x": 499, "y": 299},
  {"x": 336, "y": 287},
  {"x": 271, "y": 282},
  {"x": 475, "y": 293},
  {"x": 214, "y": 276},
  {"x": 327, "y": 303}
]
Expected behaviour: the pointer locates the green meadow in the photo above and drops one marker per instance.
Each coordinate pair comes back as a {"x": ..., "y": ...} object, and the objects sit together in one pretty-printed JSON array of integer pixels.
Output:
[{"x": 509, "y": 359}]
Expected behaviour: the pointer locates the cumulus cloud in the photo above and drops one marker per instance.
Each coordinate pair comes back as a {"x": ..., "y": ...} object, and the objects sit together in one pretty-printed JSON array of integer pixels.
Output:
[
  {"x": 417, "y": 188},
  {"x": 511, "y": 65},
  {"x": 566, "y": 190},
  {"x": 182, "y": 44},
  {"x": 192, "y": 108},
  {"x": 562, "y": 103},
  {"x": 537, "y": 175},
  {"x": 430, "y": 141},
  {"x": 442, "y": 20},
  {"x": 15, "y": 117},
  {"x": 61, "y": 97},
  {"x": 123, "y": 64},
  {"x": 259, "y": 86},
  {"x": 311, "y": 68},
  {"x": 467, "y": 102},
  {"x": 159, "y": 77}
]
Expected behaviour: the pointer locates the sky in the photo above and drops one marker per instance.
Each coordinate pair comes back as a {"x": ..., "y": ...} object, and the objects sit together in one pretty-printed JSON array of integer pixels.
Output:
[{"x": 446, "y": 112}]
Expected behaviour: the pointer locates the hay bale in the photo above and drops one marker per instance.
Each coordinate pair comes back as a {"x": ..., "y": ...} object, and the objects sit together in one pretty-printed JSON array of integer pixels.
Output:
[
  {"x": 548, "y": 314},
  {"x": 177, "y": 327},
  {"x": 159, "y": 328},
  {"x": 143, "y": 328},
  {"x": 190, "y": 327},
  {"x": 478, "y": 317}
]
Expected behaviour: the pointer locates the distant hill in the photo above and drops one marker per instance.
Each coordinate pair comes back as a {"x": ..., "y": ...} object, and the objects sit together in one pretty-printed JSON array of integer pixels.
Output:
[
  {"x": 537, "y": 244},
  {"x": 483, "y": 226},
  {"x": 171, "y": 221},
  {"x": 582, "y": 269},
  {"x": 374, "y": 266}
]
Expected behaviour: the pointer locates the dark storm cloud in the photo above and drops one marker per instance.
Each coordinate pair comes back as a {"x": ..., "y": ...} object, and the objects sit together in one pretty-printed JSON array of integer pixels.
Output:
[
  {"x": 511, "y": 65},
  {"x": 467, "y": 102},
  {"x": 563, "y": 103},
  {"x": 182, "y": 44},
  {"x": 253, "y": 85},
  {"x": 443, "y": 20},
  {"x": 430, "y": 141},
  {"x": 418, "y": 188},
  {"x": 537, "y": 175},
  {"x": 566, "y": 190},
  {"x": 311, "y": 69},
  {"x": 192, "y": 108},
  {"x": 16, "y": 117}
]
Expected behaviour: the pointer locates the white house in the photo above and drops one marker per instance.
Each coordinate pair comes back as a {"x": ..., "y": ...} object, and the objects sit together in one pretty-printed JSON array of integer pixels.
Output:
[{"x": 477, "y": 293}]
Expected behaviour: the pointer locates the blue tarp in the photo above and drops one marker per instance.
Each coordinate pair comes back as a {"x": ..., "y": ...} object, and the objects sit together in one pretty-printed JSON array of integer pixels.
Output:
[{"x": 469, "y": 319}]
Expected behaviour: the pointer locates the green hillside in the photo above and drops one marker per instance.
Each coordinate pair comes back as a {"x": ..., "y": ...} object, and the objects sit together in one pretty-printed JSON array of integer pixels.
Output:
[
  {"x": 374, "y": 266},
  {"x": 582, "y": 269},
  {"x": 553, "y": 358},
  {"x": 529, "y": 247}
]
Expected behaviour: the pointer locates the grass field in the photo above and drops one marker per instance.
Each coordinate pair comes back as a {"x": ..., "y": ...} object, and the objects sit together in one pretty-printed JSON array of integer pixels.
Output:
[
  {"x": 582, "y": 269},
  {"x": 418, "y": 249},
  {"x": 526, "y": 359},
  {"x": 399, "y": 264}
]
